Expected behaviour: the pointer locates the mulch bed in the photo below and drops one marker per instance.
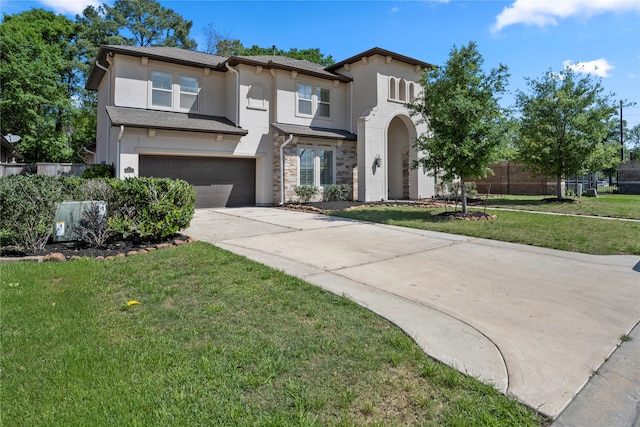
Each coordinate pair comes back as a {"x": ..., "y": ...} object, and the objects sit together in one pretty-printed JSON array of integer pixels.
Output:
[{"x": 75, "y": 250}]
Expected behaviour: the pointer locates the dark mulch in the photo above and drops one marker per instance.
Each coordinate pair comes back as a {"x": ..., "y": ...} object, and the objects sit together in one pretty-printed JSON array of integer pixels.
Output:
[
  {"x": 81, "y": 249},
  {"x": 562, "y": 201},
  {"x": 341, "y": 205},
  {"x": 469, "y": 216}
]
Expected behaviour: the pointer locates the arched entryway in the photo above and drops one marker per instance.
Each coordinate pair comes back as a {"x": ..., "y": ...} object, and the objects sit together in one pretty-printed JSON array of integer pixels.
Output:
[{"x": 401, "y": 179}]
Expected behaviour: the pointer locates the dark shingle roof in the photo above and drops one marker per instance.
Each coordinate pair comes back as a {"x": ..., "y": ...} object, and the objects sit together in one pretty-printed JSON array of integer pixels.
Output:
[
  {"x": 173, "y": 55},
  {"x": 381, "y": 52},
  {"x": 136, "y": 117},
  {"x": 314, "y": 131},
  {"x": 289, "y": 64}
]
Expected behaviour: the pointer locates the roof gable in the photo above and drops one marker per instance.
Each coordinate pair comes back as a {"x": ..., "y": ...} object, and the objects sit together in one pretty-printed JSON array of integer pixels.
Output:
[{"x": 381, "y": 52}]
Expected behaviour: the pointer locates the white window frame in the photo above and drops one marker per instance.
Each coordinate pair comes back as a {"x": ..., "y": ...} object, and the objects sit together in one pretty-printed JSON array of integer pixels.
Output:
[
  {"x": 170, "y": 91},
  {"x": 316, "y": 164},
  {"x": 315, "y": 100},
  {"x": 181, "y": 92}
]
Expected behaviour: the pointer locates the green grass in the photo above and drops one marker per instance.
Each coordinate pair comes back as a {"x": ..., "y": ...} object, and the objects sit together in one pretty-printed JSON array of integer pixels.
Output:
[
  {"x": 612, "y": 205},
  {"x": 576, "y": 234},
  {"x": 216, "y": 340}
]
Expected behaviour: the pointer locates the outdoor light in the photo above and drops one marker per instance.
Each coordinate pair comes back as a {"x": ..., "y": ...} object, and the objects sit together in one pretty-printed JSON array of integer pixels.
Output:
[{"x": 378, "y": 161}]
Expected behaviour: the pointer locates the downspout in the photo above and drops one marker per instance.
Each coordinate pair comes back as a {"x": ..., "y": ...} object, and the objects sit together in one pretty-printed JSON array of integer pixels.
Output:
[
  {"x": 351, "y": 108},
  {"x": 106, "y": 70},
  {"x": 282, "y": 168},
  {"x": 237, "y": 109},
  {"x": 118, "y": 151}
]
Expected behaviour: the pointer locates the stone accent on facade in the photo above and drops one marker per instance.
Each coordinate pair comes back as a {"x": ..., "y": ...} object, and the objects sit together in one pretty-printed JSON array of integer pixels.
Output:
[
  {"x": 346, "y": 165},
  {"x": 629, "y": 177}
]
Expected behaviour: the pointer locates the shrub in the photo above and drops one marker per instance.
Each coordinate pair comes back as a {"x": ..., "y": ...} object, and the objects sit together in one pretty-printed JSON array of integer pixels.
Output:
[
  {"x": 305, "y": 192},
  {"x": 98, "y": 171},
  {"x": 337, "y": 192},
  {"x": 150, "y": 208},
  {"x": 27, "y": 209}
]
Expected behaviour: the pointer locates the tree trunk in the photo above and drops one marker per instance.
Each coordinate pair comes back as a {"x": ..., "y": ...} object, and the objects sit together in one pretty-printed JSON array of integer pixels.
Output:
[
  {"x": 559, "y": 186},
  {"x": 463, "y": 191}
]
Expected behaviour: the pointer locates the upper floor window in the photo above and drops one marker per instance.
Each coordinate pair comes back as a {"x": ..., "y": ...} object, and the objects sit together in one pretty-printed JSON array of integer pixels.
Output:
[
  {"x": 324, "y": 102},
  {"x": 161, "y": 89},
  {"x": 305, "y": 102},
  {"x": 188, "y": 93},
  {"x": 309, "y": 104}
]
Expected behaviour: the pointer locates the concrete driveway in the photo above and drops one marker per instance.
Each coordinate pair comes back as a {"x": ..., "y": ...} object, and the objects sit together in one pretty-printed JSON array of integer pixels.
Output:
[{"x": 536, "y": 323}]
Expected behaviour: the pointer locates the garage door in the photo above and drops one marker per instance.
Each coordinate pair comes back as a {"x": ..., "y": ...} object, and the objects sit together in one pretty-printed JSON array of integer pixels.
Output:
[{"x": 218, "y": 181}]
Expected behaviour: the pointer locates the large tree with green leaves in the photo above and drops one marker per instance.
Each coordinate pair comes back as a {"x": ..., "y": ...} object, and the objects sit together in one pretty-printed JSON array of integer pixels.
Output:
[
  {"x": 459, "y": 102},
  {"x": 39, "y": 79},
  {"x": 564, "y": 119},
  {"x": 633, "y": 140}
]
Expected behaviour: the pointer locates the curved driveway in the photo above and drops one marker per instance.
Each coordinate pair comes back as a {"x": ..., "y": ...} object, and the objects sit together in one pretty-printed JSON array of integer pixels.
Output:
[{"x": 536, "y": 323}]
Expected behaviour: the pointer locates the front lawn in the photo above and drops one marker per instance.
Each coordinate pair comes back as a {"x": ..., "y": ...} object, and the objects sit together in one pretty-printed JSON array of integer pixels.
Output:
[
  {"x": 612, "y": 205},
  {"x": 576, "y": 234},
  {"x": 216, "y": 339}
]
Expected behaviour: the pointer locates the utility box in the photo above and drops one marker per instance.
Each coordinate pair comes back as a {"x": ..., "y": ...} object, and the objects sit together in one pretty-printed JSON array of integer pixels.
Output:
[{"x": 72, "y": 217}]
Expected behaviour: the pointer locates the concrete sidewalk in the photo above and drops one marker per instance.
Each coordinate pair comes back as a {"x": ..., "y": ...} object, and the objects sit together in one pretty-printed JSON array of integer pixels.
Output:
[{"x": 536, "y": 323}]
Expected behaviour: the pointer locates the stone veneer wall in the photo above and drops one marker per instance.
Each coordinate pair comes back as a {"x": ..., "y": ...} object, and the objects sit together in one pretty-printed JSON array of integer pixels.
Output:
[
  {"x": 346, "y": 167},
  {"x": 629, "y": 177},
  {"x": 513, "y": 178}
]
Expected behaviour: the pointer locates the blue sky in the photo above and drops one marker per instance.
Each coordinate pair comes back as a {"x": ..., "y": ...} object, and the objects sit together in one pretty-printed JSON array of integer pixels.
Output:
[{"x": 601, "y": 37}]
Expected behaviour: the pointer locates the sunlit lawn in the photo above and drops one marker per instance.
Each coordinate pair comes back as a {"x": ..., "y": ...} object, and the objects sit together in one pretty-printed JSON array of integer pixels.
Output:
[
  {"x": 216, "y": 340},
  {"x": 576, "y": 234}
]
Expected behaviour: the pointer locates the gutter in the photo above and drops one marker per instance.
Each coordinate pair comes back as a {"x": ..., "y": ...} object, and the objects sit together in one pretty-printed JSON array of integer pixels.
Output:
[
  {"x": 282, "y": 168},
  {"x": 106, "y": 70},
  {"x": 237, "y": 108},
  {"x": 118, "y": 150}
]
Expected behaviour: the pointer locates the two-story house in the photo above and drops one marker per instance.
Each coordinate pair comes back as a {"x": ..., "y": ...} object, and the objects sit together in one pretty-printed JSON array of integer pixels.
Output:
[{"x": 246, "y": 130}]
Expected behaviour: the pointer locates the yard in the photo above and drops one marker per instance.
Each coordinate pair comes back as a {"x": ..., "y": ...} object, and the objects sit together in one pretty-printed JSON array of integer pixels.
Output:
[
  {"x": 516, "y": 223},
  {"x": 215, "y": 339}
]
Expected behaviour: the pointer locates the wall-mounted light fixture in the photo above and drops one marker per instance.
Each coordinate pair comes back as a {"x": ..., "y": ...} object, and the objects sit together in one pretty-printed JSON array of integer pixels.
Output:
[{"x": 378, "y": 161}]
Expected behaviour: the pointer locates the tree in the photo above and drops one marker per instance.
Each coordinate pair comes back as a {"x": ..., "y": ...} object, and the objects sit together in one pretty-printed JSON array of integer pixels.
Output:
[
  {"x": 564, "y": 120},
  {"x": 633, "y": 139},
  {"x": 38, "y": 78},
  {"x": 150, "y": 23},
  {"x": 221, "y": 44},
  {"x": 459, "y": 103}
]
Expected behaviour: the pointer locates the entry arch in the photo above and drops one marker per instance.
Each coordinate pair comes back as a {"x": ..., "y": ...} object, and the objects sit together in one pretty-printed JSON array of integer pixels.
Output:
[{"x": 401, "y": 178}]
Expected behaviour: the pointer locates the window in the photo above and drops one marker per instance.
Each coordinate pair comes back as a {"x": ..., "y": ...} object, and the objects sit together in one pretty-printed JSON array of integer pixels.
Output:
[
  {"x": 188, "y": 93},
  {"x": 392, "y": 88},
  {"x": 310, "y": 103},
  {"x": 403, "y": 90},
  {"x": 305, "y": 102},
  {"x": 161, "y": 89},
  {"x": 324, "y": 102},
  {"x": 317, "y": 166},
  {"x": 255, "y": 97}
]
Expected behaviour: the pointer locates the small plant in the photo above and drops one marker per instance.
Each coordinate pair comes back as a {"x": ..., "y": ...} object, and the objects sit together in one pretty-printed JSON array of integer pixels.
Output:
[
  {"x": 625, "y": 338},
  {"x": 305, "y": 192},
  {"x": 337, "y": 192},
  {"x": 99, "y": 171}
]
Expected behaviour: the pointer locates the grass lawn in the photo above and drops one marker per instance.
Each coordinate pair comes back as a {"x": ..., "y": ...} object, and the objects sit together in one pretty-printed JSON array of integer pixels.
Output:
[
  {"x": 612, "y": 205},
  {"x": 216, "y": 340},
  {"x": 586, "y": 235}
]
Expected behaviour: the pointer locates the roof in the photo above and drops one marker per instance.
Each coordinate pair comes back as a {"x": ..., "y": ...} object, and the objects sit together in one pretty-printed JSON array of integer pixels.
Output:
[
  {"x": 289, "y": 64},
  {"x": 314, "y": 131},
  {"x": 381, "y": 52},
  {"x": 139, "y": 118},
  {"x": 173, "y": 55}
]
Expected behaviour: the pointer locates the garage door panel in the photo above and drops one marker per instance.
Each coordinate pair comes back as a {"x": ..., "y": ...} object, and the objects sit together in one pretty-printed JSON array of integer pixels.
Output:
[{"x": 218, "y": 182}]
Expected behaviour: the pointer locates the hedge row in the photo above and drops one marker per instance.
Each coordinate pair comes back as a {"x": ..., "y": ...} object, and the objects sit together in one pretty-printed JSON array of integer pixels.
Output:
[{"x": 138, "y": 209}]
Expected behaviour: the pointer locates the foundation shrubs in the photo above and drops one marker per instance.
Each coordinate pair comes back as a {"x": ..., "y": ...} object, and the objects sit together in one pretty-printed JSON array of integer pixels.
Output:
[
  {"x": 337, "y": 192},
  {"x": 137, "y": 209},
  {"x": 305, "y": 192}
]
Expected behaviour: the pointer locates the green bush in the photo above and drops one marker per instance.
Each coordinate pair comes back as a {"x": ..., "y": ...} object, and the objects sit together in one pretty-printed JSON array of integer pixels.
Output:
[
  {"x": 99, "y": 171},
  {"x": 27, "y": 209},
  {"x": 150, "y": 208},
  {"x": 337, "y": 192},
  {"x": 137, "y": 208},
  {"x": 305, "y": 192}
]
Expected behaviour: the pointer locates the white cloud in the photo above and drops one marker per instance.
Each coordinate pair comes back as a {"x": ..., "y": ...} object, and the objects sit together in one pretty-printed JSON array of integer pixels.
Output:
[
  {"x": 394, "y": 9},
  {"x": 547, "y": 12},
  {"x": 597, "y": 67},
  {"x": 69, "y": 7}
]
